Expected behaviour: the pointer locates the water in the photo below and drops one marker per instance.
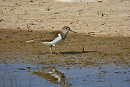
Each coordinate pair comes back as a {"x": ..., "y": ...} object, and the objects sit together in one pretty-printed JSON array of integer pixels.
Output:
[{"x": 14, "y": 75}]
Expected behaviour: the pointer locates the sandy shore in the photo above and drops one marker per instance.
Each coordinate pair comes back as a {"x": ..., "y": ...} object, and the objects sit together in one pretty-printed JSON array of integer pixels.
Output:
[
  {"x": 98, "y": 18},
  {"x": 103, "y": 28}
]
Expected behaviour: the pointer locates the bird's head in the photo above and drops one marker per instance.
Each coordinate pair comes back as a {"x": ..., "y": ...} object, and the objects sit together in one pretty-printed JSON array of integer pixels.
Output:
[{"x": 66, "y": 28}]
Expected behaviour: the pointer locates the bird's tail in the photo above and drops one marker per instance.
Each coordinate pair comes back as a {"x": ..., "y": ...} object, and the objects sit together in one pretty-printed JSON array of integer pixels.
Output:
[
  {"x": 29, "y": 41},
  {"x": 47, "y": 43}
]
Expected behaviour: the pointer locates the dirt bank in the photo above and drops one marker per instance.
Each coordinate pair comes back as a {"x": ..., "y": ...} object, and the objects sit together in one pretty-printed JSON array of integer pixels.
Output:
[{"x": 77, "y": 49}]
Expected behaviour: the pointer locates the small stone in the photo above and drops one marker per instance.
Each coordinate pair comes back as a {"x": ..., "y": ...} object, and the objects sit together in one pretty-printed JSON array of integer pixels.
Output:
[{"x": 99, "y": 0}]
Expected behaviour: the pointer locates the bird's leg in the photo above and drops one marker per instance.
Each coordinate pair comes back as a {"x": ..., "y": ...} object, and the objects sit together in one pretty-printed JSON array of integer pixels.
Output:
[
  {"x": 57, "y": 52},
  {"x": 51, "y": 50}
]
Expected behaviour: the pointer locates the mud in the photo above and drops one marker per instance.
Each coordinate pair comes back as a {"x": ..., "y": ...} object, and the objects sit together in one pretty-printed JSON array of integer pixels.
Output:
[{"x": 77, "y": 50}]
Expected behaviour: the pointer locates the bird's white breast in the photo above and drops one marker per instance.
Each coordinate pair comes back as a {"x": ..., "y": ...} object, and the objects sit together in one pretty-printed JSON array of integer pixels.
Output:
[{"x": 55, "y": 41}]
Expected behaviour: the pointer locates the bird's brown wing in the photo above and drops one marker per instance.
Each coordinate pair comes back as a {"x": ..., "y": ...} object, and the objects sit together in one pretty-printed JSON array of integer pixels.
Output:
[
  {"x": 50, "y": 36},
  {"x": 47, "y": 37}
]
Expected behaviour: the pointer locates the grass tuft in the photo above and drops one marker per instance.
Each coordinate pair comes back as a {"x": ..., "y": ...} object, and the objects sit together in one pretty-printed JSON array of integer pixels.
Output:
[
  {"x": 37, "y": 49},
  {"x": 5, "y": 50},
  {"x": 83, "y": 49}
]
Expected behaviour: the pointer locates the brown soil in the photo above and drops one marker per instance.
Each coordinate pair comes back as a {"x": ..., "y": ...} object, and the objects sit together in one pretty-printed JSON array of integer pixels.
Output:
[{"x": 77, "y": 49}]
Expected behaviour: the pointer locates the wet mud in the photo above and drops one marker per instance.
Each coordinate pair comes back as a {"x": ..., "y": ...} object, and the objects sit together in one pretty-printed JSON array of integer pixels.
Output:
[{"x": 77, "y": 50}]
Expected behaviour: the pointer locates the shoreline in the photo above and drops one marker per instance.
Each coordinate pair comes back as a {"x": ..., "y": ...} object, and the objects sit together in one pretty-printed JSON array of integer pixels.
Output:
[{"x": 79, "y": 49}]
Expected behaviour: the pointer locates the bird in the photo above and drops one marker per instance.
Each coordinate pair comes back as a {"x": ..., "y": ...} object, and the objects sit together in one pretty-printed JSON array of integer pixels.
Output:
[{"x": 58, "y": 36}]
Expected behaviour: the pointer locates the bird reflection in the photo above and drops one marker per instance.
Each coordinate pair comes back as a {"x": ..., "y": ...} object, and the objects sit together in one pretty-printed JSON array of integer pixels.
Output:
[{"x": 54, "y": 76}]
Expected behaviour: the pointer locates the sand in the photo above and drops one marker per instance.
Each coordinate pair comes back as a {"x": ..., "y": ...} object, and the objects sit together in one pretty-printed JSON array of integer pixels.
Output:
[{"x": 95, "y": 17}]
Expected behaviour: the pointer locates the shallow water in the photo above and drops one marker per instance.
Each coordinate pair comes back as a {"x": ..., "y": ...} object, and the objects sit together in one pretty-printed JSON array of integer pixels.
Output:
[{"x": 15, "y": 75}]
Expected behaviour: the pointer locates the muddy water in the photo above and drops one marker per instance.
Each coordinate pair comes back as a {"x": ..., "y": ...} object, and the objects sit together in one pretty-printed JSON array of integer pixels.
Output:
[{"x": 15, "y": 75}]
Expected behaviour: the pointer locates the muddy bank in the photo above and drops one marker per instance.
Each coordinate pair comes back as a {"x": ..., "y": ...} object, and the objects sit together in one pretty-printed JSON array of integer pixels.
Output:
[{"x": 77, "y": 49}]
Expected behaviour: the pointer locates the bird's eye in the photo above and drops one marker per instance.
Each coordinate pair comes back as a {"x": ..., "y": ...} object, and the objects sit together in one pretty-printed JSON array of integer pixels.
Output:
[{"x": 67, "y": 28}]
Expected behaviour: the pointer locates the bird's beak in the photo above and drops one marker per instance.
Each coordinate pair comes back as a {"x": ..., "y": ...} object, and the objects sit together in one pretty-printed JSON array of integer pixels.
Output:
[{"x": 73, "y": 31}]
